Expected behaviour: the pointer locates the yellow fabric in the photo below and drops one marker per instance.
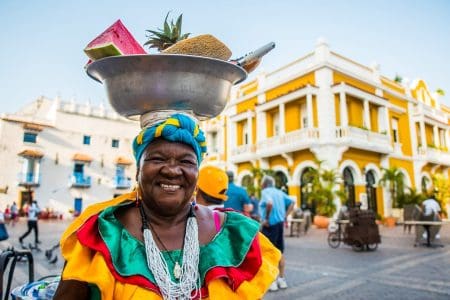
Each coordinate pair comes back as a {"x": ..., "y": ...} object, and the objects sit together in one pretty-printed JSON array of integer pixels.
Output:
[
  {"x": 170, "y": 121},
  {"x": 86, "y": 265}
]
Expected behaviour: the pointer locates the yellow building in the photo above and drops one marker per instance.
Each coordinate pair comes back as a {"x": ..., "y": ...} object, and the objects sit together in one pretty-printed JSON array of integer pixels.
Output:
[{"x": 325, "y": 107}]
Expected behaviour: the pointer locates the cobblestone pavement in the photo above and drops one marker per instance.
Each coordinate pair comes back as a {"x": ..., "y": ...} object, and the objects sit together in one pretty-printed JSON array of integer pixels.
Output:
[{"x": 396, "y": 270}]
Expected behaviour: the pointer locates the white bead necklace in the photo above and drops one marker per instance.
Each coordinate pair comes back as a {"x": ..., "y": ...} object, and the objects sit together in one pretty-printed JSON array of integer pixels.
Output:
[{"x": 187, "y": 274}]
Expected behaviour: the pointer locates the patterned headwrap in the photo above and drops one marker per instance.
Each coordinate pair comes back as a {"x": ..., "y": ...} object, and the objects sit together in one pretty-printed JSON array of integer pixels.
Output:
[{"x": 177, "y": 128}]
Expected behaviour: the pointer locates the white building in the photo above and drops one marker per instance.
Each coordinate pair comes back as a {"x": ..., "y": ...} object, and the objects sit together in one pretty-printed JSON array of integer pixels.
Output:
[{"x": 65, "y": 155}]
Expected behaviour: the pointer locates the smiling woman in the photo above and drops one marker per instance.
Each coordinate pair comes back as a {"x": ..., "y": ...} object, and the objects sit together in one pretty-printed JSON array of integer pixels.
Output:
[{"x": 156, "y": 243}]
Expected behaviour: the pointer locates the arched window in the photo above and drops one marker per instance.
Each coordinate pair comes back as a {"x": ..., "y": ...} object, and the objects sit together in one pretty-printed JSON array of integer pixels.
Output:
[
  {"x": 371, "y": 191},
  {"x": 424, "y": 184},
  {"x": 281, "y": 181},
  {"x": 305, "y": 187},
  {"x": 349, "y": 187}
]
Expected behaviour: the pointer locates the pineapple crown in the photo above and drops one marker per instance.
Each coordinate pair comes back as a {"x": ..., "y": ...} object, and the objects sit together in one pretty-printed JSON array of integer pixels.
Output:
[{"x": 163, "y": 38}]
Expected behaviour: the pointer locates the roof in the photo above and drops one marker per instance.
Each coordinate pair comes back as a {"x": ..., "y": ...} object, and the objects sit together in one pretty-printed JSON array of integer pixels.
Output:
[
  {"x": 121, "y": 160},
  {"x": 31, "y": 153},
  {"x": 82, "y": 157}
]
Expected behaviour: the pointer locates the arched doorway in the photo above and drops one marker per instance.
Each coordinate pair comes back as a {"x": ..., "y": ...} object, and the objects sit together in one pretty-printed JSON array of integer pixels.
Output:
[
  {"x": 349, "y": 187},
  {"x": 281, "y": 181},
  {"x": 371, "y": 191},
  {"x": 305, "y": 189}
]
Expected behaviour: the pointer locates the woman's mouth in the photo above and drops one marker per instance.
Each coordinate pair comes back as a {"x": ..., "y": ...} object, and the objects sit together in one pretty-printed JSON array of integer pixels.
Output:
[{"x": 170, "y": 187}]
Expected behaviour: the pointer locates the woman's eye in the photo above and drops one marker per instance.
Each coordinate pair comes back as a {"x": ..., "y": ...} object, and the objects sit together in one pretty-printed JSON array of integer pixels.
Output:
[
  {"x": 154, "y": 159},
  {"x": 188, "y": 162}
]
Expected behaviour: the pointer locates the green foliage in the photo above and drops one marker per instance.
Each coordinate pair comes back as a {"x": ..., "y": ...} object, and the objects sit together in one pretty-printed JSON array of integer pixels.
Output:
[
  {"x": 440, "y": 92},
  {"x": 442, "y": 191},
  {"x": 393, "y": 179},
  {"x": 410, "y": 197},
  {"x": 322, "y": 189},
  {"x": 252, "y": 183},
  {"x": 398, "y": 78},
  {"x": 164, "y": 38}
]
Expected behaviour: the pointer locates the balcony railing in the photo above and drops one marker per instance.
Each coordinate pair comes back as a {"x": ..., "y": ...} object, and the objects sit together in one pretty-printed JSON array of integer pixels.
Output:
[
  {"x": 289, "y": 142},
  {"x": 80, "y": 180},
  {"x": 29, "y": 179},
  {"x": 121, "y": 182},
  {"x": 434, "y": 155},
  {"x": 365, "y": 139}
]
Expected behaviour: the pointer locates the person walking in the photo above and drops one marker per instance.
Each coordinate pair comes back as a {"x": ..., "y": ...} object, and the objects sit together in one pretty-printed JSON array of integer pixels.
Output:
[
  {"x": 14, "y": 213},
  {"x": 33, "y": 213},
  {"x": 275, "y": 206},
  {"x": 212, "y": 186},
  {"x": 238, "y": 199}
]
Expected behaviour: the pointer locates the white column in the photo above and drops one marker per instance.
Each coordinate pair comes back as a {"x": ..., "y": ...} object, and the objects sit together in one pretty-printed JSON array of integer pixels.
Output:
[
  {"x": 261, "y": 132},
  {"x": 36, "y": 168},
  {"x": 366, "y": 114},
  {"x": 385, "y": 116},
  {"x": 437, "y": 143},
  {"x": 423, "y": 138},
  {"x": 447, "y": 139},
  {"x": 250, "y": 127},
  {"x": 343, "y": 108},
  {"x": 282, "y": 119},
  {"x": 309, "y": 110}
]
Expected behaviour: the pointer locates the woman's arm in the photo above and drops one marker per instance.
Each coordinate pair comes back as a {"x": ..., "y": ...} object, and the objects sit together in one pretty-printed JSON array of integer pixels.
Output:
[{"x": 72, "y": 290}]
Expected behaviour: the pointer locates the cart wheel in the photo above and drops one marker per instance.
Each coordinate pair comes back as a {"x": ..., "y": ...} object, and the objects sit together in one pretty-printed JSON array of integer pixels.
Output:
[
  {"x": 357, "y": 246},
  {"x": 333, "y": 240},
  {"x": 372, "y": 247}
]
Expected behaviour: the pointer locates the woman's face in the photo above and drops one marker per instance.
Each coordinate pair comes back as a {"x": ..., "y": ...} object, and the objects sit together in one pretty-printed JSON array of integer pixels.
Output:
[{"x": 167, "y": 176}]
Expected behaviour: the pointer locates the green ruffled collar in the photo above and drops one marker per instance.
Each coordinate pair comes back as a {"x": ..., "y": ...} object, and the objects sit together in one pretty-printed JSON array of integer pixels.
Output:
[{"x": 228, "y": 248}]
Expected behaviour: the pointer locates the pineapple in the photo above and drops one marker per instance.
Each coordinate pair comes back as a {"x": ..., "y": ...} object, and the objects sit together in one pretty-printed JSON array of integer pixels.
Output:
[
  {"x": 164, "y": 38},
  {"x": 170, "y": 40}
]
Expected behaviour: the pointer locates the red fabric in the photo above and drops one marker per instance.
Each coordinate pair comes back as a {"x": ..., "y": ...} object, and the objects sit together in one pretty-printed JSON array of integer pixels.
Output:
[
  {"x": 89, "y": 236},
  {"x": 245, "y": 271}
]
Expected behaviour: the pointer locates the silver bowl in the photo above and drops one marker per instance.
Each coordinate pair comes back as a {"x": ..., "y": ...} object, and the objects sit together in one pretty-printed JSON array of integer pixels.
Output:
[{"x": 137, "y": 84}]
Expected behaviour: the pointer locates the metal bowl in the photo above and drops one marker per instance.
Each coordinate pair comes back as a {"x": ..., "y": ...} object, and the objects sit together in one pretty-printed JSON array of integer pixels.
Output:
[{"x": 137, "y": 84}]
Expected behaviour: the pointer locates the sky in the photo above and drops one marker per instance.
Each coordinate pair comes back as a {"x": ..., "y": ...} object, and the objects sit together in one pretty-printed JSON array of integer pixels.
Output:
[{"x": 41, "y": 52}]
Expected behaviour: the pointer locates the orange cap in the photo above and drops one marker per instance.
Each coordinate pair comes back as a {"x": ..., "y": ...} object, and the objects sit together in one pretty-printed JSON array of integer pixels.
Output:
[{"x": 213, "y": 181}]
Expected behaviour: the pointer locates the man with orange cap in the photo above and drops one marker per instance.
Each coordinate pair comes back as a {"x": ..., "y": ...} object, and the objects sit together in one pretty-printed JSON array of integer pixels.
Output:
[{"x": 212, "y": 186}]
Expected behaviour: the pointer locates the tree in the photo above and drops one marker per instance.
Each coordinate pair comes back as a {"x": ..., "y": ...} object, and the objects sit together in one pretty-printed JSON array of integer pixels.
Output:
[
  {"x": 393, "y": 179},
  {"x": 442, "y": 191},
  {"x": 398, "y": 78},
  {"x": 440, "y": 92},
  {"x": 322, "y": 189}
]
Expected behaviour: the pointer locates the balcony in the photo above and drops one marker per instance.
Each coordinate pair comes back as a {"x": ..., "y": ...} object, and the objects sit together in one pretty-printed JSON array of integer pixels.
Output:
[
  {"x": 29, "y": 179},
  {"x": 122, "y": 182},
  {"x": 289, "y": 142},
  {"x": 79, "y": 180},
  {"x": 364, "y": 139},
  {"x": 434, "y": 155}
]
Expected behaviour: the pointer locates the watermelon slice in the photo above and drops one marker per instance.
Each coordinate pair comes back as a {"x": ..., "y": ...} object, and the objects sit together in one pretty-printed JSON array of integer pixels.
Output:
[{"x": 116, "y": 40}]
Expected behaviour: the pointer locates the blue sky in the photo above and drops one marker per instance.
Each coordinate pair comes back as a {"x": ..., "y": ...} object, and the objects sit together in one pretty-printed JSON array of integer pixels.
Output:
[{"x": 43, "y": 41}]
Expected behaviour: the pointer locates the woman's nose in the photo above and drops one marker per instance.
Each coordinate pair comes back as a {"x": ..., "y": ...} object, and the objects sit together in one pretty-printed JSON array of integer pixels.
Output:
[{"x": 172, "y": 168}]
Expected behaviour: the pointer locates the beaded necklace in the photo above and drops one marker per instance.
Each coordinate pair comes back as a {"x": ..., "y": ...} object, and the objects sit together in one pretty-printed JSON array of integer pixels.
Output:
[{"x": 187, "y": 275}]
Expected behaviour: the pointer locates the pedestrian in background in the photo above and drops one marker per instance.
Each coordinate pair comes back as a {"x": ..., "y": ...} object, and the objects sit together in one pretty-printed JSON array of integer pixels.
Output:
[
  {"x": 275, "y": 206},
  {"x": 212, "y": 185},
  {"x": 33, "y": 213},
  {"x": 14, "y": 213},
  {"x": 237, "y": 197},
  {"x": 254, "y": 214}
]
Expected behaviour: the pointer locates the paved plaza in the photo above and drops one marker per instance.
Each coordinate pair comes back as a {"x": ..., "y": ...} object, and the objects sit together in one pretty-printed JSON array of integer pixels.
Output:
[{"x": 396, "y": 270}]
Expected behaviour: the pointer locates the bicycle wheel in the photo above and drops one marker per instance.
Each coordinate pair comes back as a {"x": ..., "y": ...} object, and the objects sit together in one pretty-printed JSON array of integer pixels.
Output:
[
  {"x": 334, "y": 240},
  {"x": 357, "y": 246},
  {"x": 372, "y": 247}
]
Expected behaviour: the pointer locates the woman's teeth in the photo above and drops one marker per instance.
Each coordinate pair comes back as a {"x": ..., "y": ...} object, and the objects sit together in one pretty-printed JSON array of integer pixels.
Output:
[{"x": 169, "y": 187}]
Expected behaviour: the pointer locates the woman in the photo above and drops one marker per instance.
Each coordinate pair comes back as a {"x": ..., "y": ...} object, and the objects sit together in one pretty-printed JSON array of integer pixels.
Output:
[{"x": 153, "y": 243}]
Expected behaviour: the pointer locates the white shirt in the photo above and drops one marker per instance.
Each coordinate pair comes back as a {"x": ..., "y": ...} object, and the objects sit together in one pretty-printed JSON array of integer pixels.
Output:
[
  {"x": 431, "y": 206},
  {"x": 33, "y": 212}
]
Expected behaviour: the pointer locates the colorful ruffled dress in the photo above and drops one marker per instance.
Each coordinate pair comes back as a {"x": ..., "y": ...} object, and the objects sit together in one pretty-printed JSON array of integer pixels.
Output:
[{"x": 239, "y": 263}]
